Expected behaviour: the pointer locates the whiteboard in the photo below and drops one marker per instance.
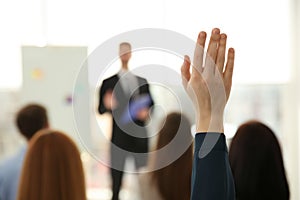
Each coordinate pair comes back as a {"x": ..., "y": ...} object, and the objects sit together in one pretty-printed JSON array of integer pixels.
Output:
[{"x": 49, "y": 75}]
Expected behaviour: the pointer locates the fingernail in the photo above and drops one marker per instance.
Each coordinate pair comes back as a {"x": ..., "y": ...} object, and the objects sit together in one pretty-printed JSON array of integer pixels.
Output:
[
  {"x": 223, "y": 36},
  {"x": 216, "y": 30},
  {"x": 186, "y": 59},
  {"x": 202, "y": 34}
]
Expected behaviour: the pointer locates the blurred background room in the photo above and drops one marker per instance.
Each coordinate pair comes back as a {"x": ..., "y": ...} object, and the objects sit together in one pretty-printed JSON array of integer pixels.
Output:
[{"x": 45, "y": 47}]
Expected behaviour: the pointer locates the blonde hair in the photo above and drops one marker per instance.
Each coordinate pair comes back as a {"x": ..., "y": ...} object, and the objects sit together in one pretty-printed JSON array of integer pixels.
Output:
[{"x": 52, "y": 169}]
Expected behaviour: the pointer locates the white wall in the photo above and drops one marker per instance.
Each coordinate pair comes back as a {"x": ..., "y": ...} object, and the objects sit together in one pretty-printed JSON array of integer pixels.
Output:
[
  {"x": 291, "y": 108},
  {"x": 252, "y": 27}
]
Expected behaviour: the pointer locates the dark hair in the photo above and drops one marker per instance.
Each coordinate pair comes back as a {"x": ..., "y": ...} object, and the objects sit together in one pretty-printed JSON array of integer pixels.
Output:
[
  {"x": 257, "y": 164},
  {"x": 30, "y": 119},
  {"x": 52, "y": 169},
  {"x": 125, "y": 43},
  {"x": 174, "y": 181}
]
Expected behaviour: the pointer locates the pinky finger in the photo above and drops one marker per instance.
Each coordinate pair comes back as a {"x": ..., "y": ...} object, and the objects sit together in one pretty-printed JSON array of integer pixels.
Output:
[{"x": 229, "y": 65}]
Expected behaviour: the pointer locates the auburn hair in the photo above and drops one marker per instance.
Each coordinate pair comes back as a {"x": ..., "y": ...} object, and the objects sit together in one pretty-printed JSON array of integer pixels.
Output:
[
  {"x": 52, "y": 169},
  {"x": 174, "y": 181}
]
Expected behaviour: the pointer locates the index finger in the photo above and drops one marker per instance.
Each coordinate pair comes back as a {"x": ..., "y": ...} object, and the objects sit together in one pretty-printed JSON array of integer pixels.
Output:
[{"x": 198, "y": 53}]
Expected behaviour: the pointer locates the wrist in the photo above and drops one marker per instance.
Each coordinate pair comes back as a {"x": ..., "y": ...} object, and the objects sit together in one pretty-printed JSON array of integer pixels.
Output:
[{"x": 210, "y": 123}]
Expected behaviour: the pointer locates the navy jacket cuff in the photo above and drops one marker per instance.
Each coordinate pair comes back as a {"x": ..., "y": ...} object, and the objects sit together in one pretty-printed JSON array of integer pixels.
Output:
[{"x": 218, "y": 138}]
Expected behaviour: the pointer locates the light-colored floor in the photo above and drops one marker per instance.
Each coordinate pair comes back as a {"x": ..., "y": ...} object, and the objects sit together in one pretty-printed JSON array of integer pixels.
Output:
[{"x": 99, "y": 182}]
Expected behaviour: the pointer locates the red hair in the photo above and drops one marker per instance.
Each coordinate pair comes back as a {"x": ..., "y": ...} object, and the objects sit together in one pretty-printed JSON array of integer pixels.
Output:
[{"x": 52, "y": 169}]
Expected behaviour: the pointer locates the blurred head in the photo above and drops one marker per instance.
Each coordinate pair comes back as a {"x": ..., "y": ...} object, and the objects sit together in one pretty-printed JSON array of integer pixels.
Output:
[
  {"x": 30, "y": 119},
  {"x": 174, "y": 180},
  {"x": 125, "y": 52},
  {"x": 257, "y": 164},
  {"x": 52, "y": 169}
]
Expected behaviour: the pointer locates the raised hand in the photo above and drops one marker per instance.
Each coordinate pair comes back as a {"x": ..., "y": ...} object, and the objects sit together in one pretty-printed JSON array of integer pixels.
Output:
[{"x": 210, "y": 82}]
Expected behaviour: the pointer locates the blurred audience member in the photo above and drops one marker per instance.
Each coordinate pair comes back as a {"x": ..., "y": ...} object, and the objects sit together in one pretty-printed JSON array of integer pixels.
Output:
[
  {"x": 257, "y": 164},
  {"x": 52, "y": 169},
  {"x": 174, "y": 180},
  {"x": 29, "y": 120}
]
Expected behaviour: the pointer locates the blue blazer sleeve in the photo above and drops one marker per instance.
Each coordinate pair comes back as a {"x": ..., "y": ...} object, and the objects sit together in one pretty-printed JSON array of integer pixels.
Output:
[{"x": 211, "y": 176}]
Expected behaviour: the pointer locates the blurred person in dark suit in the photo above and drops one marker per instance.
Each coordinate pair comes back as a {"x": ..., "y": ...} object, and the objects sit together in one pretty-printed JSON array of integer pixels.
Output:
[{"x": 128, "y": 99}]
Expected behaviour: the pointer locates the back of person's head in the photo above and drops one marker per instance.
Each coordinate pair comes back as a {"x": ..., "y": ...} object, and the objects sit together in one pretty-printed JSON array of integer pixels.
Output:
[
  {"x": 174, "y": 181},
  {"x": 257, "y": 164},
  {"x": 52, "y": 169},
  {"x": 30, "y": 119}
]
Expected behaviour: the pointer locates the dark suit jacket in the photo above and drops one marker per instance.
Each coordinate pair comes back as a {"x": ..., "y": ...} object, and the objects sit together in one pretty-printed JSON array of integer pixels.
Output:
[
  {"x": 131, "y": 136},
  {"x": 211, "y": 177}
]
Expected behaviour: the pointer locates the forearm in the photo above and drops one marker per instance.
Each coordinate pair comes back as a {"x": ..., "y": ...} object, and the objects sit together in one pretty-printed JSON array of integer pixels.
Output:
[{"x": 211, "y": 177}]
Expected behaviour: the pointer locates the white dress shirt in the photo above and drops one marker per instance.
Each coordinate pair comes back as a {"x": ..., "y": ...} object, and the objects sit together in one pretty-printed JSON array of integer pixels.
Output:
[{"x": 128, "y": 81}]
